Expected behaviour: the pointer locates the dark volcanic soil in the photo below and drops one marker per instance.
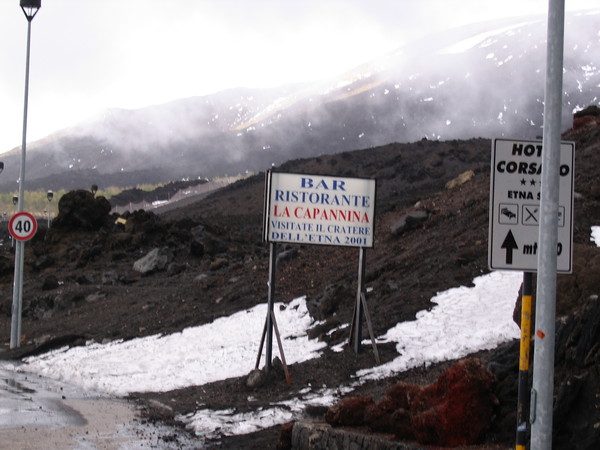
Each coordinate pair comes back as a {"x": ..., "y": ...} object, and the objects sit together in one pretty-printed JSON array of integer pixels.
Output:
[{"x": 81, "y": 284}]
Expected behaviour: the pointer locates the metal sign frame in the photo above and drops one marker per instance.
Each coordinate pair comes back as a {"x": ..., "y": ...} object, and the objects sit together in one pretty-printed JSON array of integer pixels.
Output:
[
  {"x": 515, "y": 210},
  {"x": 320, "y": 197}
]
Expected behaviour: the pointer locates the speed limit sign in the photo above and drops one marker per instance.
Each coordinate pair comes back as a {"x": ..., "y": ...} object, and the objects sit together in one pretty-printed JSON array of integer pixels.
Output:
[{"x": 22, "y": 226}]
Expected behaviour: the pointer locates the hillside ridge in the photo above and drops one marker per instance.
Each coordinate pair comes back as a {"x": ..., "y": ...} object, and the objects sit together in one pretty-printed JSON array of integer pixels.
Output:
[{"x": 80, "y": 283}]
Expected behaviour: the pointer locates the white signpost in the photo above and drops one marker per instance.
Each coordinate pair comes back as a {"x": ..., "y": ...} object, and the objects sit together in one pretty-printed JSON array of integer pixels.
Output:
[
  {"x": 318, "y": 210},
  {"x": 515, "y": 190},
  {"x": 321, "y": 210}
]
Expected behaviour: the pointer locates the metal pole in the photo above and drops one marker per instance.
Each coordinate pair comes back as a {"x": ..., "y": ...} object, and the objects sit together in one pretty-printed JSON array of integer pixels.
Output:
[
  {"x": 270, "y": 306},
  {"x": 288, "y": 379},
  {"x": 357, "y": 337},
  {"x": 15, "y": 323},
  {"x": 17, "y": 306},
  {"x": 523, "y": 389},
  {"x": 20, "y": 244},
  {"x": 370, "y": 328},
  {"x": 543, "y": 363}
]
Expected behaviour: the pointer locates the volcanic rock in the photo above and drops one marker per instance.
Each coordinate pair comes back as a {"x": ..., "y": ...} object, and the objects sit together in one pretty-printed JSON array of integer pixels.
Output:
[
  {"x": 156, "y": 259},
  {"x": 461, "y": 179},
  {"x": 81, "y": 210},
  {"x": 409, "y": 221},
  {"x": 50, "y": 283}
]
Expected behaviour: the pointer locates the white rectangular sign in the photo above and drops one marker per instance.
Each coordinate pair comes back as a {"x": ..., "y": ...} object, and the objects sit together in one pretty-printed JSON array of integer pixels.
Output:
[
  {"x": 515, "y": 190},
  {"x": 317, "y": 209}
]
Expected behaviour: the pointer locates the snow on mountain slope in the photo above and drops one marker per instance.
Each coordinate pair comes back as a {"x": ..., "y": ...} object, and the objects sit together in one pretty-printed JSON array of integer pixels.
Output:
[{"x": 481, "y": 80}]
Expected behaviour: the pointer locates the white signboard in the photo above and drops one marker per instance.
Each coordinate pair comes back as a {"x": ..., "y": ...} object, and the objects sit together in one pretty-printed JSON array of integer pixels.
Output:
[
  {"x": 515, "y": 189},
  {"x": 321, "y": 210}
]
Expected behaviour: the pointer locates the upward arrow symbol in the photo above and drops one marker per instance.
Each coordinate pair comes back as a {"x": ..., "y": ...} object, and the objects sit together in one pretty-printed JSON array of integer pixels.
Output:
[{"x": 509, "y": 244}]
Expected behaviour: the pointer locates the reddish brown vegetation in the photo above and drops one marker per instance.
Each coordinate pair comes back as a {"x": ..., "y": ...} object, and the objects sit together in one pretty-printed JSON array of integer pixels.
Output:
[{"x": 455, "y": 410}]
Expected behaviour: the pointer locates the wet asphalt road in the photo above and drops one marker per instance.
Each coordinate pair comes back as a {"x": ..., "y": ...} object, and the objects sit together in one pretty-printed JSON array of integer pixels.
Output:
[{"x": 38, "y": 413}]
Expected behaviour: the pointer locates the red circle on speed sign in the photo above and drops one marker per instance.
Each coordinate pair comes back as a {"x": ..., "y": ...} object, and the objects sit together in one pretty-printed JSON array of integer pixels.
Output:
[{"x": 22, "y": 226}]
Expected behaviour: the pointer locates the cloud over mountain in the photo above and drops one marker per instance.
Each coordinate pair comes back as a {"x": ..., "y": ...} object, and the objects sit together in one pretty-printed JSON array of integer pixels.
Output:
[{"x": 482, "y": 80}]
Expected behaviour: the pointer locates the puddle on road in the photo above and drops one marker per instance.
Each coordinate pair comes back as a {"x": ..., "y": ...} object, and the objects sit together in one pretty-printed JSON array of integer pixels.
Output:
[
  {"x": 28, "y": 400},
  {"x": 15, "y": 387}
]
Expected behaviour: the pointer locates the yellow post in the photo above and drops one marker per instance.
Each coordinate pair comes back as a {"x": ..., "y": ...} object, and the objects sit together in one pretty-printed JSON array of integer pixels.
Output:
[{"x": 523, "y": 393}]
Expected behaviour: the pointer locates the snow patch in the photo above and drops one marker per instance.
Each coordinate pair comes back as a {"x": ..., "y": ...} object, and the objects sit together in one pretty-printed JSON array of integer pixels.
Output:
[
  {"x": 225, "y": 348},
  {"x": 482, "y": 39},
  {"x": 596, "y": 235},
  {"x": 465, "y": 320}
]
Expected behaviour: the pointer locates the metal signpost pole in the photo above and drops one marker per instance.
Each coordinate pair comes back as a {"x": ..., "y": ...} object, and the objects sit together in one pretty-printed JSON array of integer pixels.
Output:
[
  {"x": 303, "y": 209},
  {"x": 543, "y": 363},
  {"x": 15, "y": 324},
  {"x": 357, "y": 336},
  {"x": 270, "y": 306},
  {"x": 30, "y": 9}
]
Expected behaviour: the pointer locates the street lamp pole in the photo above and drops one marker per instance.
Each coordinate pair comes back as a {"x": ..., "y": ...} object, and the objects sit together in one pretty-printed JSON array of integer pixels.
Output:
[{"x": 30, "y": 9}]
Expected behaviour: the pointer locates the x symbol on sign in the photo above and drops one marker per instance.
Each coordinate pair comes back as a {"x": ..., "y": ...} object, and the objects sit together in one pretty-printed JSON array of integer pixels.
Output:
[{"x": 530, "y": 215}]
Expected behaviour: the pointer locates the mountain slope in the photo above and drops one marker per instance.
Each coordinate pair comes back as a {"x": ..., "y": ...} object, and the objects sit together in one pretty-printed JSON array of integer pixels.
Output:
[
  {"x": 79, "y": 285},
  {"x": 480, "y": 80}
]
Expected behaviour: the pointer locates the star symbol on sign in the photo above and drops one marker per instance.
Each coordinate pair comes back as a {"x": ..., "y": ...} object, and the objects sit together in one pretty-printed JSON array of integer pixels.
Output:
[
  {"x": 532, "y": 182},
  {"x": 523, "y": 182}
]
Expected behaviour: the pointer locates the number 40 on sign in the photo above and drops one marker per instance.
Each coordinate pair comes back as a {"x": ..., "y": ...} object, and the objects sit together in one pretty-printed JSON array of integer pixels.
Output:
[{"x": 22, "y": 226}]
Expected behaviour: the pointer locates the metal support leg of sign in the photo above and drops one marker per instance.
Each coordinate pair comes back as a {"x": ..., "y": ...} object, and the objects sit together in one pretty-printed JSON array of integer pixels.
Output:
[
  {"x": 271, "y": 302},
  {"x": 280, "y": 345},
  {"x": 359, "y": 307},
  {"x": 370, "y": 328},
  {"x": 523, "y": 389},
  {"x": 356, "y": 326},
  {"x": 260, "y": 347},
  {"x": 270, "y": 322}
]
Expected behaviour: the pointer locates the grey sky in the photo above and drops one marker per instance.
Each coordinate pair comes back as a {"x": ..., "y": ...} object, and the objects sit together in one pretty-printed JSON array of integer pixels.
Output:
[{"x": 88, "y": 55}]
